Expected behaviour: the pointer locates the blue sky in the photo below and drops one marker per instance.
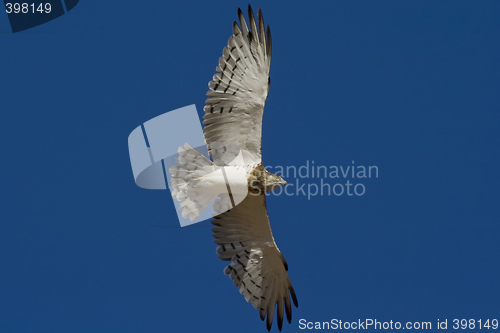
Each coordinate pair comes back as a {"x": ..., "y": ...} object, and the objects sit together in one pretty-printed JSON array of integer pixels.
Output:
[{"x": 410, "y": 87}]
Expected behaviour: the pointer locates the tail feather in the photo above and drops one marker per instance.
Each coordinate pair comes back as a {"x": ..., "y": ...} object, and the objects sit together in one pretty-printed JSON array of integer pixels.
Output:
[{"x": 187, "y": 181}]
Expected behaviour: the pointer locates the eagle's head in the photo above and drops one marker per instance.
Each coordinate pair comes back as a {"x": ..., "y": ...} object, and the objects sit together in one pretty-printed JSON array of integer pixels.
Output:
[{"x": 272, "y": 181}]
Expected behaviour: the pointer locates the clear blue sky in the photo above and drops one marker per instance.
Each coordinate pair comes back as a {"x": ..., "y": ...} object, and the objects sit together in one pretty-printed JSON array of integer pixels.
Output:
[{"x": 411, "y": 87}]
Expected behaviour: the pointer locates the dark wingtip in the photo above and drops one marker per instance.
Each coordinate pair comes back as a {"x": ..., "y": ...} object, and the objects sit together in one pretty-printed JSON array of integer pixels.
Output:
[
  {"x": 251, "y": 19},
  {"x": 268, "y": 324},
  {"x": 288, "y": 309},
  {"x": 269, "y": 41},
  {"x": 294, "y": 297}
]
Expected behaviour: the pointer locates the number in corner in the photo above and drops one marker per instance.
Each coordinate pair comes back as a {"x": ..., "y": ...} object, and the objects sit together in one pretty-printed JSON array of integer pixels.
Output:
[
  {"x": 471, "y": 324},
  {"x": 24, "y": 8}
]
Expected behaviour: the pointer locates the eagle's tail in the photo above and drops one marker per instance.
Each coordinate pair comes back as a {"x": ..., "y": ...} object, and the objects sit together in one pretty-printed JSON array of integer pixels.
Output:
[{"x": 189, "y": 181}]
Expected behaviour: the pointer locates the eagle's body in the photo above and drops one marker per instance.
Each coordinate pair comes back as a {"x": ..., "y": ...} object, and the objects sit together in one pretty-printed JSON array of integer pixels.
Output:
[{"x": 233, "y": 132}]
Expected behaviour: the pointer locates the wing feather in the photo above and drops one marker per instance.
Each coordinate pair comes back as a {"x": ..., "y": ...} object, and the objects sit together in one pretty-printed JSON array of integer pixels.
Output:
[
  {"x": 262, "y": 31},
  {"x": 243, "y": 23},
  {"x": 288, "y": 308}
]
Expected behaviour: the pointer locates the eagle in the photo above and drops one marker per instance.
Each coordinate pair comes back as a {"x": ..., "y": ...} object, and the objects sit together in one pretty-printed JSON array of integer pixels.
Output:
[{"x": 233, "y": 127}]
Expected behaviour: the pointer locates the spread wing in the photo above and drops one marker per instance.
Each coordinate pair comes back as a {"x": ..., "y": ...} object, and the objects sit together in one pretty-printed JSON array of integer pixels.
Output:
[
  {"x": 238, "y": 92},
  {"x": 257, "y": 268}
]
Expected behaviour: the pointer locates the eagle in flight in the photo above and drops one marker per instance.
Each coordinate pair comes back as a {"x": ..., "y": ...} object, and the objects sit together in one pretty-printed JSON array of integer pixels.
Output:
[{"x": 233, "y": 117}]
